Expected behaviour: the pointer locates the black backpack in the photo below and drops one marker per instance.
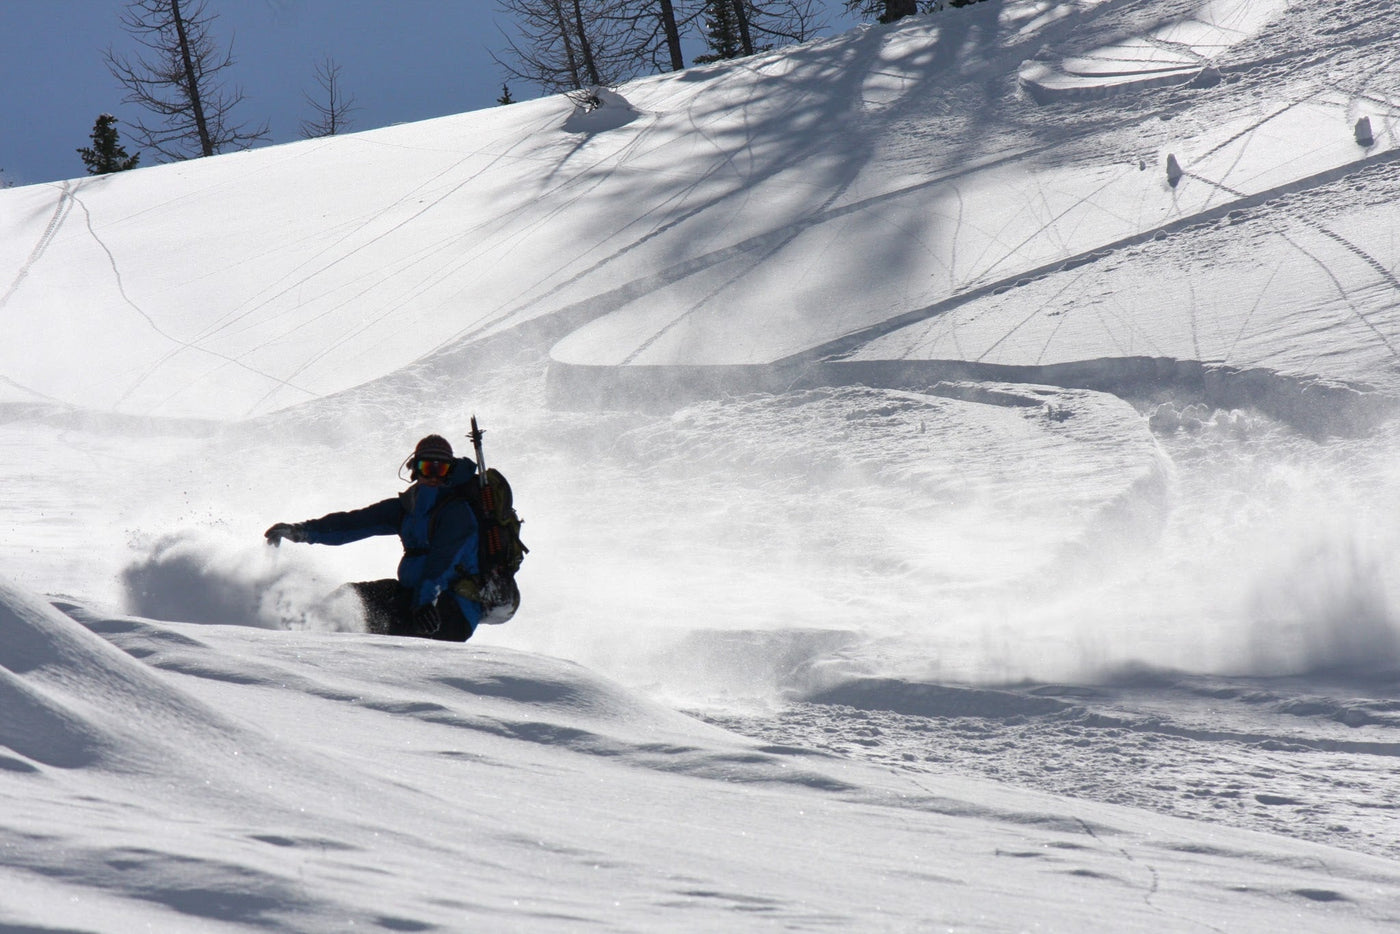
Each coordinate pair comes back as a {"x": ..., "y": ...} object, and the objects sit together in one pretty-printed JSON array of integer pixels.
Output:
[{"x": 499, "y": 548}]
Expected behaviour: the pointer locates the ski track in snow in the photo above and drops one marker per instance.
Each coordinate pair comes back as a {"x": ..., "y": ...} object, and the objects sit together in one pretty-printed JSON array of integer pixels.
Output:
[{"x": 60, "y": 213}]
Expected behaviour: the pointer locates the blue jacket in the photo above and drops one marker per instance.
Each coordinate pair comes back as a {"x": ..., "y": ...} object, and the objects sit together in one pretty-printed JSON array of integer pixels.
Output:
[{"x": 438, "y": 530}]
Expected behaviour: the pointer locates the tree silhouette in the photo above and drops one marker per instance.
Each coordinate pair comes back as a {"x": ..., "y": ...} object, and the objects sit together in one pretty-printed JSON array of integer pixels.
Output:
[
  {"x": 721, "y": 32},
  {"x": 178, "y": 78},
  {"x": 106, "y": 154},
  {"x": 333, "y": 107}
]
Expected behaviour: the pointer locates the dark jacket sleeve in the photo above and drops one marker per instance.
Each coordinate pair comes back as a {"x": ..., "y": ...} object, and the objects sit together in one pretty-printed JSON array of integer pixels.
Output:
[{"x": 340, "y": 528}]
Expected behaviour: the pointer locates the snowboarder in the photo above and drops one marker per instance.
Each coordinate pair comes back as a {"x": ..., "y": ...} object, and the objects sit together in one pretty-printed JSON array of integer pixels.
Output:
[{"x": 435, "y": 521}]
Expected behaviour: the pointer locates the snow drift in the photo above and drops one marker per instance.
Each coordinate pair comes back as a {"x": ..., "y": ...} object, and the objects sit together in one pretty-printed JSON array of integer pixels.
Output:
[{"x": 359, "y": 797}]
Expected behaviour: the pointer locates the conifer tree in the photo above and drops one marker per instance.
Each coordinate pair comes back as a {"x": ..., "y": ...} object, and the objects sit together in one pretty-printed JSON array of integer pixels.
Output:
[
  {"x": 887, "y": 11},
  {"x": 106, "y": 154},
  {"x": 721, "y": 33}
]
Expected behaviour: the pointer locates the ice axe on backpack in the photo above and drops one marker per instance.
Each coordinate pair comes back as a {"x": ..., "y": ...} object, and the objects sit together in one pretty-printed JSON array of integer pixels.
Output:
[
  {"x": 488, "y": 495},
  {"x": 475, "y": 436}
]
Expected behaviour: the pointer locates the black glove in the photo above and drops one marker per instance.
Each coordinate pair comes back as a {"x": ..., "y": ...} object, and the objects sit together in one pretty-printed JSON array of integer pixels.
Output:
[
  {"x": 427, "y": 620},
  {"x": 291, "y": 531}
]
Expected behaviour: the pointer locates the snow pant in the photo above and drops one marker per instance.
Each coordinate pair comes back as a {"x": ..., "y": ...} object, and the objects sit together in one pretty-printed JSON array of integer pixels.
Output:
[{"x": 388, "y": 607}]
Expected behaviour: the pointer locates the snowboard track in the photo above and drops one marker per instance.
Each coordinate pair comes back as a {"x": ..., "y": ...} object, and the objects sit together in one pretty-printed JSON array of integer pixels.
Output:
[{"x": 1314, "y": 406}]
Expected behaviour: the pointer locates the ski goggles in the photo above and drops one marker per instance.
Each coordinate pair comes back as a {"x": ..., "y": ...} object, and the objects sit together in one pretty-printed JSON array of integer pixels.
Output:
[{"x": 431, "y": 469}]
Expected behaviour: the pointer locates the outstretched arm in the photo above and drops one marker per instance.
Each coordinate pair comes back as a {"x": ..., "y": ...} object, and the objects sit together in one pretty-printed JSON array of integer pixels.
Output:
[{"x": 340, "y": 528}]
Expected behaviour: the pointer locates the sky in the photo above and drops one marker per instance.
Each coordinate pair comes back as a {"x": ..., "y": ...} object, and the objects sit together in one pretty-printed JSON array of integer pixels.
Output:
[{"x": 402, "y": 61}]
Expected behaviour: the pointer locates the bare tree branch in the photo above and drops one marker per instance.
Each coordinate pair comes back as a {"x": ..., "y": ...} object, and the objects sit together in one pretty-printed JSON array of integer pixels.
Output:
[
  {"x": 566, "y": 45},
  {"x": 333, "y": 107},
  {"x": 786, "y": 20},
  {"x": 178, "y": 80},
  {"x": 650, "y": 31}
]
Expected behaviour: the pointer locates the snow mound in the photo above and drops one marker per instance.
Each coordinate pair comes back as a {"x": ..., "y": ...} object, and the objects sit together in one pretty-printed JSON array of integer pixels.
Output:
[
  {"x": 1195, "y": 418},
  {"x": 489, "y": 694},
  {"x": 483, "y": 766},
  {"x": 599, "y": 110},
  {"x": 71, "y": 700}
]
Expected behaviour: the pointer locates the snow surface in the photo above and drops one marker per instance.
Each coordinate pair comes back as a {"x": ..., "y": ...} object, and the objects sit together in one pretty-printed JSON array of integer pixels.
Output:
[
  {"x": 939, "y": 520},
  {"x": 1180, "y": 50}
]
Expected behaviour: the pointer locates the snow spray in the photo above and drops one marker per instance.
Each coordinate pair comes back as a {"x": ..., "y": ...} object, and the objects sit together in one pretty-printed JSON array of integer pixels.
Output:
[{"x": 203, "y": 577}]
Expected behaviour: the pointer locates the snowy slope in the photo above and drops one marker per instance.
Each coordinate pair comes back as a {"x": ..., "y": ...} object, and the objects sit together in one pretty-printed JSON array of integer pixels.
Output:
[
  {"x": 345, "y": 781},
  {"x": 938, "y": 519},
  {"x": 768, "y": 209}
]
